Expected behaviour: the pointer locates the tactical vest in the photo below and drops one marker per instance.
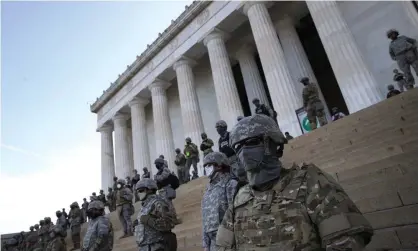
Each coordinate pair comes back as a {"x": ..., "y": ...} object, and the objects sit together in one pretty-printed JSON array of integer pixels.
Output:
[
  {"x": 214, "y": 204},
  {"x": 224, "y": 146},
  {"x": 274, "y": 220},
  {"x": 146, "y": 235}
]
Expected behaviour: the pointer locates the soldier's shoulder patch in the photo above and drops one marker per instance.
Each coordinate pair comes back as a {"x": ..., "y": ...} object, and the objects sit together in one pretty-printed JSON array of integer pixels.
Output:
[{"x": 243, "y": 196}]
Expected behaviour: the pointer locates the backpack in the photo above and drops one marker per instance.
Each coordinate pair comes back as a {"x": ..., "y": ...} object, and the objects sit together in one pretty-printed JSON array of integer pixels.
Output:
[{"x": 173, "y": 181}]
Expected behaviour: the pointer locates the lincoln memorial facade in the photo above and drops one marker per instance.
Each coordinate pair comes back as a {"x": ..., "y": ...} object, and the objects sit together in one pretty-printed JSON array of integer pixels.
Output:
[{"x": 214, "y": 59}]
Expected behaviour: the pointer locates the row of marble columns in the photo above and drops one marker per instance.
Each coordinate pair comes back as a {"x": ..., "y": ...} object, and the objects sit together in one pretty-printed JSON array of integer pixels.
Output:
[{"x": 283, "y": 62}]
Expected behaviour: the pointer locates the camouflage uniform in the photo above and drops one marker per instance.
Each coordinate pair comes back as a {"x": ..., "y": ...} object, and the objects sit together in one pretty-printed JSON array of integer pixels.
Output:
[
  {"x": 57, "y": 242},
  {"x": 404, "y": 51},
  {"x": 400, "y": 79},
  {"x": 312, "y": 104},
  {"x": 299, "y": 209},
  {"x": 84, "y": 207},
  {"x": 192, "y": 155},
  {"x": 218, "y": 196},
  {"x": 61, "y": 220},
  {"x": 48, "y": 227},
  {"x": 75, "y": 224},
  {"x": 124, "y": 207},
  {"x": 165, "y": 191},
  {"x": 31, "y": 240},
  {"x": 111, "y": 200},
  {"x": 146, "y": 173},
  {"x": 155, "y": 221},
  {"x": 206, "y": 145},
  {"x": 99, "y": 233},
  {"x": 180, "y": 162}
]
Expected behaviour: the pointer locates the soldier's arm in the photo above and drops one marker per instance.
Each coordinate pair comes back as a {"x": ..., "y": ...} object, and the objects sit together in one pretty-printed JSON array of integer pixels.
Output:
[
  {"x": 225, "y": 240},
  {"x": 340, "y": 223},
  {"x": 127, "y": 194},
  {"x": 231, "y": 189},
  {"x": 412, "y": 41},
  {"x": 102, "y": 233},
  {"x": 160, "y": 217},
  {"x": 270, "y": 110},
  {"x": 392, "y": 54},
  {"x": 210, "y": 143}
]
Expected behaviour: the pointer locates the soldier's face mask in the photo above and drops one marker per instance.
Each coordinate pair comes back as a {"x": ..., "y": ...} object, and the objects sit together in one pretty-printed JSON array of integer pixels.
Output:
[
  {"x": 142, "y": 194},
  {"x": 209, "y": 170},
  {"x": 119, "y": 186}
]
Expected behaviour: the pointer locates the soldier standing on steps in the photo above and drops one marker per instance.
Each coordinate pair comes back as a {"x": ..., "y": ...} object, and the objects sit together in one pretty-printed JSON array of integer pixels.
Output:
[
  {"x": 75, "y": 225},
  {"x": 146, "y": 173},
  {"x": 218, "y": 195},
  {"x": 312, "y": 103},
  {"x": 286, "y": 209},
  {"x": 111, "y": 199},
  {"x": 57, "y": 242},
  {"x": 180, "y": 162},
  {"x": 155, "y": 220},
  {"x": 84, "y": 207},
  {"x": 124, "y": 208},
  {"x": 99, "y": 233},
  {"x": 192, "y": 155}
]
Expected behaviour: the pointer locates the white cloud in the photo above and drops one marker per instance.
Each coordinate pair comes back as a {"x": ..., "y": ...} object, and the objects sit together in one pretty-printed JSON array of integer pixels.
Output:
[{"x": 68, "y": 177}]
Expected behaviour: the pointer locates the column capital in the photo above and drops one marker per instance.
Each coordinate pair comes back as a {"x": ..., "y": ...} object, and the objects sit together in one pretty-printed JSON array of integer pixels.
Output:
[
  {"x": 183, "y": 60},
  {"x": 138, "y": 101},
  {"x": 120, "y": 120},
  {"x": 249, "y": 4},
  {"x": 105, "y": 129},
  {"x": 215, "y": 34},
  {"x": 159, "y": 84}
]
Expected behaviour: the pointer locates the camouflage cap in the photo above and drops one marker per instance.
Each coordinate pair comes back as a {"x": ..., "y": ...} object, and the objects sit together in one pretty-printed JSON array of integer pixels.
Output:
[
  {"x": 96, "y": 205},
  {"x": 121, "y": 181},
  {"x": 389, "y": 32},
  {"x": 254, "y": 126},
  {"x": 221, "y": 123},
  {"x": 146, "y": 183},
  {"x": 217, "y": 158},
  {"x": 159, "y": 161}
]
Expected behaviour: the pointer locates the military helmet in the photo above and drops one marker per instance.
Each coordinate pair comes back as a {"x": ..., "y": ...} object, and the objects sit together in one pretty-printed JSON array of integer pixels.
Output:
[
  {"x": 145, "y": 168},
  {"x": 101, "y": 190},
  {"x": 161, "y": 156},
  {"x": 159, "y": 161},
  {"x": 391, "y": 87},
  {"x": 221, "y": 123},
  {"x": 121, "y": 181},
  {"x": 391, "y": 31},
  {"x": 94, "y": 194},
  {"x": 255, "y": 126},
  {"x": 146, "y": 183},
  {"x": 255, "y": 100},
  {"x": 74, "y": 204},
  {"x": 41, "y": 222},
  {"x": 217, "y": 158},
  {"x": 304, "y": 79},
  {"x": 177, "y": 150},
  {"x": 58, "y": 212},
  {"x": 96, "y": 205},
  {"x": 31, "y": 228},
  {"x": 36, "y": 225},
  {"x": 188, "y": 139}
]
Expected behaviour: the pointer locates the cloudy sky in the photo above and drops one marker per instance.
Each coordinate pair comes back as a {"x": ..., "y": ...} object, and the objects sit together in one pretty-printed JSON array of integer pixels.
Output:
[{"x": 56, "y": 58}]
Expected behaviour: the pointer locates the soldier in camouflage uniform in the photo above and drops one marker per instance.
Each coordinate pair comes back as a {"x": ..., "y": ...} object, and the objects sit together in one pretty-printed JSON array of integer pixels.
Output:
[
  {"x": 180, "y": 162},
  {"x": 218, "y": 196},
  {"x": 57, "y": 242},
  {"x": 286, "y": 209},
  {"x": 31, "y": 239},
  {"x": 99, "y": 233},
  {"x": 61, "y": 220},
  {"x": 155, "y": 220},
  {"x": 48, "y": 226},
  {"x": 115, "y": 184},
  {"x": 224, "y": 147},
  {"x": 124, "y": 208},
  {"x": 192, "y": 155},
  {"x": 263, "y": 109},
  {"x": 102, "y": 197},
  {"x": 146, "y": 173},
  {"x": 111, "y": 203},
  {"x": 41, "y": 234},
  {"x": 165, "y": 161},
  {"x": 93, "y": 197},
  {"x": 75, "y": 224},
  {"x": 84, "y": 207},
  {"x": 161, "y": 178},
  {"x": 206, "y": 145},
  {"x": 312, "y": 103},
  {"x": 403, "y": 50}
]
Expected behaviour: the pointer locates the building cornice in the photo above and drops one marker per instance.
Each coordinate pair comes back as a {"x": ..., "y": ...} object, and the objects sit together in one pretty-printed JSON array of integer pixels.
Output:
[{"x": 163, "y": 39}]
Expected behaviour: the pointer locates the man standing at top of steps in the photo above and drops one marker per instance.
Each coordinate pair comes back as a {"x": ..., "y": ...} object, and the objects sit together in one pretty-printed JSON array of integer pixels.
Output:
[
  {"x": 286, "y": 209},
  {"x": 313, "y": 105}
]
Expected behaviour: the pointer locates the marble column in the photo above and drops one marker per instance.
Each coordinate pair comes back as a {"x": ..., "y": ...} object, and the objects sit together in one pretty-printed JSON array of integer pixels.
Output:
[
  {"x": 357, "y": 84},
  {"x": 122, "y": 155},
  {"x": 107, "y": 157},
  {"x": 130, "y": 151},
  {"x": 139, "y": 134},
  {"x": 251, "y": 75},
  {"x": 296, "y": 57},
  {"x": 163, "y": 135},
  {"x": 411, "y": 12},
  {"x": 190, "y": 108},
  {"x": 280, "y": 83},
  {"x": 229, "y": 104}
]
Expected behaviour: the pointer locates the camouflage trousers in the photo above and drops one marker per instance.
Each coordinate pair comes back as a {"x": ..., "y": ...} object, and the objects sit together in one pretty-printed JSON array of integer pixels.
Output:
[
  {"x": 182, "y": 175},
  {"x": 405, "y": 61},
  {"x": 211, "y": 237},
  {"x": 189, "y": 163},
  {"x": 316, "y": 110},
  {"x": 124, "y": 212},
  {"x": 75, "y": 236}
]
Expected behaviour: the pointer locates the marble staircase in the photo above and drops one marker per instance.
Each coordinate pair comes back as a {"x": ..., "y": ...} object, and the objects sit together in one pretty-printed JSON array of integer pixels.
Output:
[{"x": 374, "y": 155}]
